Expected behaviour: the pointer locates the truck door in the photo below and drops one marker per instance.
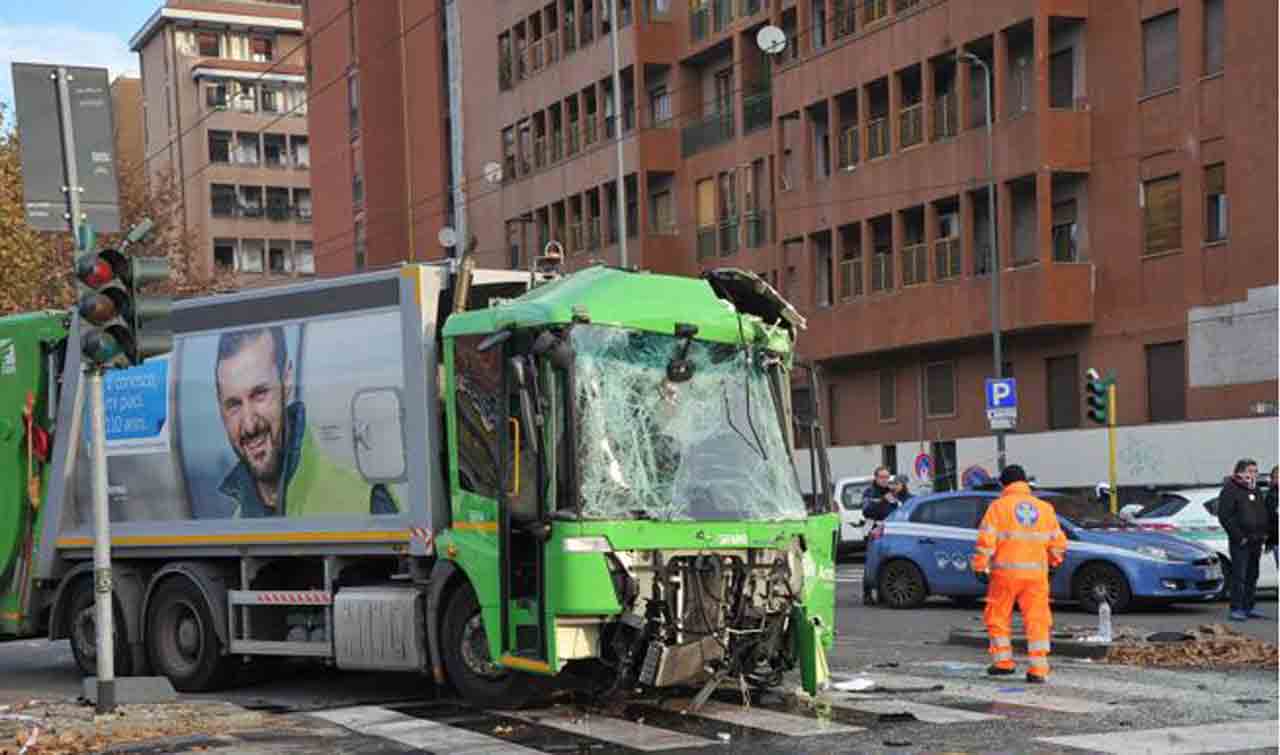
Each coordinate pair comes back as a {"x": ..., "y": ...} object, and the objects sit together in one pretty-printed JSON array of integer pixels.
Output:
[{"x": 521, "y": 510}]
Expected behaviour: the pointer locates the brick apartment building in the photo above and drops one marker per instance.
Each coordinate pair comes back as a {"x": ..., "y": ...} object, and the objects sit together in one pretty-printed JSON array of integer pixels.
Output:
[
  {"x": 1135, "y": 173},
  {"x": 126, "y": 126},
  {"x": 225, "y": 103}
]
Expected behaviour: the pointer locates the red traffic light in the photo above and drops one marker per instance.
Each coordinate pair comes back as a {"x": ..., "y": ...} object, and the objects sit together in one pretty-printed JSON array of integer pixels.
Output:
[{"x": 94, "y": 272}]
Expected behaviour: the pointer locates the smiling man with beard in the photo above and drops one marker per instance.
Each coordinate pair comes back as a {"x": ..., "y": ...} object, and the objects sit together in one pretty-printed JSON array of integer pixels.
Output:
[{"x": 281, "y": 471}]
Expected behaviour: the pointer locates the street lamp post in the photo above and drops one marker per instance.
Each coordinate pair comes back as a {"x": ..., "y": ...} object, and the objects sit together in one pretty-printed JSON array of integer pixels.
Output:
[{"x": 996, "y": 347}]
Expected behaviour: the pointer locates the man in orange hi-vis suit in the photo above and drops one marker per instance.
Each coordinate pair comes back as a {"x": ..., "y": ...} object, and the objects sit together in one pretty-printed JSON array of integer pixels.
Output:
[{"x": 1019, "y": 546}]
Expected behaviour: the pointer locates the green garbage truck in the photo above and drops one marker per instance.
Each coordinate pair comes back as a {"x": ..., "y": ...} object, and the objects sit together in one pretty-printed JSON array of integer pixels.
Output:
[{"x": 592, "y": 472}]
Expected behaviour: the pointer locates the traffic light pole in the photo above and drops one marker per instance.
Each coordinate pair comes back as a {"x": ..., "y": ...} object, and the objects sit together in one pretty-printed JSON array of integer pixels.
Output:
[
  {"x": 103, "y": 614},
  {"x": 1111, "y": 446}
]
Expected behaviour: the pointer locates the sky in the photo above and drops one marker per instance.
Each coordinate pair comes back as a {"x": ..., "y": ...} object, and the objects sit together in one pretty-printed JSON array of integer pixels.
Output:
[{"x": 70, "y": 32}]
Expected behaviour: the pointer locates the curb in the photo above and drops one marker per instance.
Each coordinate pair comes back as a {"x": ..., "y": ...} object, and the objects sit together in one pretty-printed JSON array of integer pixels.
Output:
[{"x": 1061, "y": 647}]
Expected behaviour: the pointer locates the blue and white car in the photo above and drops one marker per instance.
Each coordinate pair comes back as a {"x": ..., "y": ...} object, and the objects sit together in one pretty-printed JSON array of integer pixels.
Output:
[{"x": 926, "y": 548}]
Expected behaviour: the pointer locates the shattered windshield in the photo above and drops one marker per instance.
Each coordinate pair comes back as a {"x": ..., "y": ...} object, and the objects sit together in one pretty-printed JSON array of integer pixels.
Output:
[{"x": 708, "y": 448}]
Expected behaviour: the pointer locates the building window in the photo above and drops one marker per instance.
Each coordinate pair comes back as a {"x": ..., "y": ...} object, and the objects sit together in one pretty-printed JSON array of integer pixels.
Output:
[
  {"x": 260, "y": 49},
  {"x": 224, "y": 253},
  {"x": 663, "y": 211},
  {"x": 1215, "y": 203},
  {"x": 1062, "y": 79},
  {"x": 659, "y": 105},
  {"x": 251, "y": 255},
  {"x": 888, "y": 395},
  {"x": 1214, "y": 35},
  {"x": 850, "y": 263},
  {"x": 1166, "y": 382},
  {"x": 823, "y": 283},
  {"x": 940, "y": 389},
  {"x": 207, "y": 44},
  {"x": 1064, "y": 391},
  {"x": 304, "y": 260},
  {"x": 1064, "y": 231},
  {"x": 1160, "y": 53},
  {"x": 1162, "y": 214},
  {"x": 215, "y": 96},
  {"x": 219, "y": 146}
]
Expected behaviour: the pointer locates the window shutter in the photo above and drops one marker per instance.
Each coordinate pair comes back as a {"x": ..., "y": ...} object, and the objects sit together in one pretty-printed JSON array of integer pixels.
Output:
[
  {"x": 1160, "y": 53},
  {"x": 1163, "y": 215}
]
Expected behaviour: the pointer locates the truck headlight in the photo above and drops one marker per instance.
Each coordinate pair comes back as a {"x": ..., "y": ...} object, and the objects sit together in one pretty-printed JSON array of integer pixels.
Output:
[
  {"x": 1150, "y": 551},
  {"x": 594, "y": 544}
]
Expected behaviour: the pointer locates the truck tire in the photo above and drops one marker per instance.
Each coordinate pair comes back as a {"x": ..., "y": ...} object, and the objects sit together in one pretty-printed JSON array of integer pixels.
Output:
[
  {"x": 181, "y": 640},
  {"x": 82, "y": 628},
  {"x": 472, "y": 672}
]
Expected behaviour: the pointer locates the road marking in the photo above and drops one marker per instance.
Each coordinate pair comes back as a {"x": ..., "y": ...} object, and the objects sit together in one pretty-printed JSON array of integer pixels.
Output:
[
  {"x": 1010, "y": 693},
  {"x": 419, "y": 733},
  {"x": 772, "y": 721},
  {"x": 1077, "y": 678},
  {"x": 615, "y": 730},
  {"x": 849, "y": 574},
  {"x": 930, "y": 714},
  {"x": 1178, "y": 740}
]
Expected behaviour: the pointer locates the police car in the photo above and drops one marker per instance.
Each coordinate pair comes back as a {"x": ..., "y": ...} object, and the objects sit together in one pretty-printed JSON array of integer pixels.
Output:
[{"x": 926, "y": 548}]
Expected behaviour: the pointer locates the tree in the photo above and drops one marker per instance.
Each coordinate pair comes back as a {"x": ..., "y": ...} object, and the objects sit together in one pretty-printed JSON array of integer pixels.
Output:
[{"x": 37, "y": 265}]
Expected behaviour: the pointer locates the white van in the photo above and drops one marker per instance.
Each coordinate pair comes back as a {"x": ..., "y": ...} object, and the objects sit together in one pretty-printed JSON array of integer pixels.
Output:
[{"x": 853, "y": 528}]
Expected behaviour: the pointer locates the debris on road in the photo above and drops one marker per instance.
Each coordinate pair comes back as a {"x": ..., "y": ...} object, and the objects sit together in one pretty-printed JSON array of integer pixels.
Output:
[
  {"x": 860, "y": 684},
  {"x": 1208, "y": 646},
  {"x": 43, "y": 727}
]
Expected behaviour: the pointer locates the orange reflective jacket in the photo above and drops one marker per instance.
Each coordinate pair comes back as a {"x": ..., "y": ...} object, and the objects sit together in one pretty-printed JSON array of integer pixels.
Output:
[{"x": 1019, "y": 537}]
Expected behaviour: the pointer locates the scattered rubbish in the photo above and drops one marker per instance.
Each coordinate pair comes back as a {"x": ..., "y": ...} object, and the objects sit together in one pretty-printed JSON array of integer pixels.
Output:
[
  {"x": 1210, "y": 646},
  {"x": 724, "y": 736},
  {"x": 503, "y": 731},
  {"x": 31, "y": 740},
  {"x": 860, "y": 684}
]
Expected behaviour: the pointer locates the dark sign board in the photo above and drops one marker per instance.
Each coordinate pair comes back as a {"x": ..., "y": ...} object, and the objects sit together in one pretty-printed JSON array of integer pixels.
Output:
[{"x": 36, "y": 93}]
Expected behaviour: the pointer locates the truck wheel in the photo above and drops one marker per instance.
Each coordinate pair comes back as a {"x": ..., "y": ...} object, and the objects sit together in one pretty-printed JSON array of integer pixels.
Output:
[
  {"x": 465, "y": 648},
  {"x": 902, "y": 585},
  {"x": 1097, "y": 581},
  {"x": 82, "y": 626},
  {"x": 181, "y": 639}
]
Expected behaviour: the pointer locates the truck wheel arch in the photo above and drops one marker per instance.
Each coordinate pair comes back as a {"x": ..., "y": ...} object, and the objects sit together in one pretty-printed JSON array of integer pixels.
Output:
[
  {"x": 210, "y": 579},
  {"x": 127, "y": 588},
  {"x": 445, "y": 576}
]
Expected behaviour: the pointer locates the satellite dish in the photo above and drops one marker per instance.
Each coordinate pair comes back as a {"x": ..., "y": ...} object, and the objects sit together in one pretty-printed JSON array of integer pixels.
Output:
[
  {"x": 771, "y": 40},
  {"x": 493, "y": 172},
  {"x": 447, "y": 237}
]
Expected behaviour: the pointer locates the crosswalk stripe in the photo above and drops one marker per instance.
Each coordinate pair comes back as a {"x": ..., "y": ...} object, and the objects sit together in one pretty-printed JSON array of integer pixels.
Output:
[
  {"x": 772, "y": 721},
  {"x": 1011, "y": 693},
  {"x": 1178, "y": 740},
  {"x": 419, "y": 733},
  {"x": 615, "y": 730},
  {"x": 930, "y": 714}
]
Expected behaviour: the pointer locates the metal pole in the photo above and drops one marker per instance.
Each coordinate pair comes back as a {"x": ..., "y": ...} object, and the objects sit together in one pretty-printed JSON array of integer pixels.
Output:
[
  {"x": 453, "y": 46},
  {"x": 617, "y": 134},
  {"x": 103, "y": 614},
  {"x": 1111, "y": 446},
  {"x": 102, "y": 550}
]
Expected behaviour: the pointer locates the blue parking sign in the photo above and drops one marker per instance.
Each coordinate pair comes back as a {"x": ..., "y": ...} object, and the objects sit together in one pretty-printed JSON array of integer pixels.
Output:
[{"x": 1002, "y": 393}]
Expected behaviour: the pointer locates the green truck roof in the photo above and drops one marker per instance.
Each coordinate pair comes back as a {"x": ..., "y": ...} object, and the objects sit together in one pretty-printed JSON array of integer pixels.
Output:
[{"x": 624, "y": 299}]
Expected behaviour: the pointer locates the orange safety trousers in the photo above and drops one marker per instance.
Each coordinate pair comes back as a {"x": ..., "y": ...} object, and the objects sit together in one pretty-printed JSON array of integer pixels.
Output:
[{"x": 1032, "y": 598}]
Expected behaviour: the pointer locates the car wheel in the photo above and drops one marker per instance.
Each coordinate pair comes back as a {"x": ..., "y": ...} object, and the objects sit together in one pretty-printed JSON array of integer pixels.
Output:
[
  {"x": 902, "y": 585},
  {"x": 1097, "y": 582}
]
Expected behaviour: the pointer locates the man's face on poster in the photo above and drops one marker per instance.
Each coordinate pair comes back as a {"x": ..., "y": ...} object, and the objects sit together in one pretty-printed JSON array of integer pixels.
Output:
[{"x": 251, "y": 399}]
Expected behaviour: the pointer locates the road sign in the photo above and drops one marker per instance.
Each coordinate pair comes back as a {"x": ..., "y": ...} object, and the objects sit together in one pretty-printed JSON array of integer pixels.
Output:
[
  {"x": 46, "y": 176},
  {"x": 1002, "y": 393},
  {"x": 924, "y": 467}
]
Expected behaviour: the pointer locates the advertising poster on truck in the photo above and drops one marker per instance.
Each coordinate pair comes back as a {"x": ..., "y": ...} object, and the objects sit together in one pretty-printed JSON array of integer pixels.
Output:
[{"x": 293, "y": 420}]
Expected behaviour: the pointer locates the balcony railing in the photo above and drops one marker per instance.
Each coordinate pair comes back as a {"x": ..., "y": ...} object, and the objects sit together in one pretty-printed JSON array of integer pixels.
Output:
[
  {"x": 723, "y": 12},
  {"x": 574, "y": 139},
  {"x": 540, "y": 153},
  {"x": 850, "y": 278},
  {"x": 303, "y": 214},
  {"x": 712, "y": 130},
  {"x": 699, "y": 23},
  {"x": 844, "y": 14},
  {"x": 588, "y": 32},
  {"x": 882, "y": 271},
  {"x": 522, "y": 63},
  {"x": 756, "y": 232},
  {"x": 728, "y": 235},
  {"x": 576, "y": 238},
  {"x": 537, "y": 56},
  {"x": 915, "y": 264},
  {"x": 946, "y": 258},
  {"x": 877, "y": 138},
  {"x": 570, "y": 36},
  {"x": 757, "y": 111},
  {"x": 279, "y": 212},
  {"x": 557, "y": 146},
  {"x": 911, "y": 125},
  {"x": 944, "y": 117},
  {"x": 552, "y": 44},
  {"x": 849, "y": 147},
  {"x": 223, "y": 208},
  {"x": 593, "y": 233},
  {"x": 706, "y": 242},
  {"x": 589, "y": 129},
  {"x": 874, "y": 10}
]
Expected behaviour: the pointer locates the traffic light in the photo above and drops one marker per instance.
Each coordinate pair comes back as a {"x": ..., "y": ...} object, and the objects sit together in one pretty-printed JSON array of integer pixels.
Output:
[
  {"x": 1095, "y": 392},
  {"x": 121, "y": 324}
]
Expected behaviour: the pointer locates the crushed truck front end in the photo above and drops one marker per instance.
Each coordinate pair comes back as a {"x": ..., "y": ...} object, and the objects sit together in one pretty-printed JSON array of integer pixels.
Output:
[{"x": 624, "y": 495}]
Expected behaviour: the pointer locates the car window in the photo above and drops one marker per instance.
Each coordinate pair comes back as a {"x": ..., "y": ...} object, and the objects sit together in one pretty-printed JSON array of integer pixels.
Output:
[
  {"x": 1169, "y": 505},
  {"x": 949, "y": 512},
  {"x": 1211, "y": 506},
  {"x": 851, "y": 496}
]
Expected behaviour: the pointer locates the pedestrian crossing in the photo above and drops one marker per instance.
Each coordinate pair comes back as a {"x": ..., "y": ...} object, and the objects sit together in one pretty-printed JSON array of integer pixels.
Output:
[
  {"x": 849, "y": 574},
  {"x": 923, "y": 704}
]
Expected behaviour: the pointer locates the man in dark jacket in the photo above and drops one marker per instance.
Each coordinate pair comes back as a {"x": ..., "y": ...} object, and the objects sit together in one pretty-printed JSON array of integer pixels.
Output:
[
  {"x": 1245, "y": 518},
  {"x": 1273, "y": 510},
  {"x": 877, "y": 503}
]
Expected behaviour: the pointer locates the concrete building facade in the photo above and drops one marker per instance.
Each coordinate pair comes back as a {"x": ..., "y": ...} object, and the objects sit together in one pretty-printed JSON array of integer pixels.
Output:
[
  {"x": 126, "y": 115},
  {"x": 225, "y": 115},
  {"x": 1134, "y": 165}
]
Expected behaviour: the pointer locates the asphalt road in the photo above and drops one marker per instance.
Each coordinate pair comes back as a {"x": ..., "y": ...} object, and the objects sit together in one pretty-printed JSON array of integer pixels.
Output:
[{"x": 932, "y": 697}]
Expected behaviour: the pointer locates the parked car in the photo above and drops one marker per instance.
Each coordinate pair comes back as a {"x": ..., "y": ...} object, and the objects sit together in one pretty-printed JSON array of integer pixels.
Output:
[
  {"x": 853, "y": 527},
  {"x": 1192, "y": 515},
  {"x": 926, "y": 548}
]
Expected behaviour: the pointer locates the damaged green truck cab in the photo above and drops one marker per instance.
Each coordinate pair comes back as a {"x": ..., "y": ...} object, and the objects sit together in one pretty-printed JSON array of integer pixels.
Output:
[{"x": 623, "y": 491}]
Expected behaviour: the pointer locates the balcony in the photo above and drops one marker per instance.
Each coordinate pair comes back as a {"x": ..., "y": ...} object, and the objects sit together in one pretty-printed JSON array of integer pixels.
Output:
[
  {"x": 706, "y": 242},
  {"x": 757, "y": 111},
  {"x": 915, "y": 264},
  {"x": 711, "y": 131},
  {"x": 1032, "y": 298},
  {"x": 946, "y": 258},
  {"x": 911, "y": 125}
]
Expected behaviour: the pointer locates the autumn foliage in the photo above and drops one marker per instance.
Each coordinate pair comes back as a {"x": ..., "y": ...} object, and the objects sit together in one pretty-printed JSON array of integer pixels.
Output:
[{"x": 35, "y": 266}]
